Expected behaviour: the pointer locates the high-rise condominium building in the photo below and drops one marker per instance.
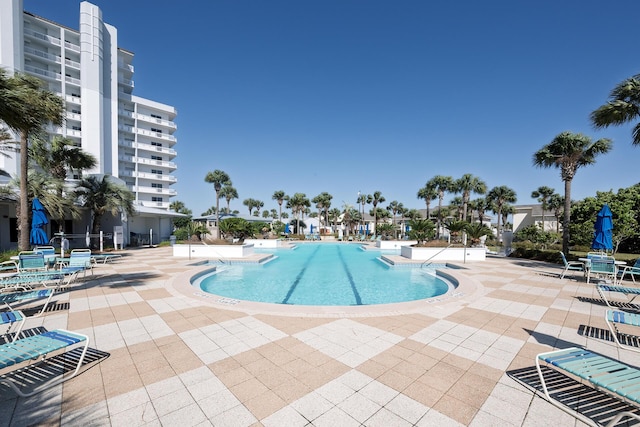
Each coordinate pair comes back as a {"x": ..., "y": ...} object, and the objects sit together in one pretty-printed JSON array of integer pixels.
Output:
[{"x": 131, "y": 137}]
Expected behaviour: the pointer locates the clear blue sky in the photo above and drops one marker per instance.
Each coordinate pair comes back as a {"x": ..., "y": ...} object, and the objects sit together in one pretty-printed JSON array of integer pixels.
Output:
[{"x": 345, "y": 96}]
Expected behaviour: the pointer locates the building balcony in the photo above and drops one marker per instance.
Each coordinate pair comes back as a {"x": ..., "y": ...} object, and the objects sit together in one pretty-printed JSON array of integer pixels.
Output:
[
  {"x": 153, "y": 190},
  {"x": 73, "y": 116},
  {"x": 126, "y": 82},
  {"x": 72, "y": 99},
  {"x": 72, "y": 80},
  {"x": 41, "y": 36},
  {"x": 150, "y": 204},
  {"x": 158, "y": 135},
  {"x": 126, "y": 113},
  {"x": 40, "y": 54},
  {"x": 152, "y": 176},
  {"x": 156, "y": 121},
  {"x": 126, "y": 67},
  {"x": 147, "y": 161},
  {"x": 43, "y": 73},
  {"x": 71, "y": 63}
]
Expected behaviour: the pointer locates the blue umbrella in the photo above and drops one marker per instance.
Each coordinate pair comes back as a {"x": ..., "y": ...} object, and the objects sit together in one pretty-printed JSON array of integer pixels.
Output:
[
  {"x": 361, "y": 230},
  {"x": 286, "y": 228},
  {"x": 311, "y": 229},
  {"x": 39, "y": 219},
  {"x": 603, "y": 230},
  {"x": 367, "y": 229}
]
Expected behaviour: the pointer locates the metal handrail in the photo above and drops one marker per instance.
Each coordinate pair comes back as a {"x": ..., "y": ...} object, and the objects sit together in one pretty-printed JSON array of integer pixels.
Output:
[{"x": 434, "y": 255}]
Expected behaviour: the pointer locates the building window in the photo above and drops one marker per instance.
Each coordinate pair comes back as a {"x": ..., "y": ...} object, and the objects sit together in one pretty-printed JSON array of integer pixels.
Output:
[
  {"x": 156, "y": 158},
  {"x": 156, "y": 144},
  {"x": 156, "y": 199},
  {"x": 156, "y": 171},
  {"x": 156, "y": 185},
  {"x": 156, "y": 130},
  {"x": 155, "y": 116}
]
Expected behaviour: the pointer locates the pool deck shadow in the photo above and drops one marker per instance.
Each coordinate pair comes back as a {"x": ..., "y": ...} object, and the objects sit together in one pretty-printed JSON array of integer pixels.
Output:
[{"x": 167, "y": 354}]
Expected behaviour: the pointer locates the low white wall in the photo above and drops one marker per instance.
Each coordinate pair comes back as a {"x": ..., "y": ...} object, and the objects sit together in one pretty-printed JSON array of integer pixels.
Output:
[
  {"x": 212, "y": 251},
  {"x": 444, "y": 254},
  {"x": 264, "y": 243},
  {"x": 394, "y": 244}
]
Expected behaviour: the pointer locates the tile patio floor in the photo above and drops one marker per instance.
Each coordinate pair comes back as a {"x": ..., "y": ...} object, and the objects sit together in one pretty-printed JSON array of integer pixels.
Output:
[{"x": 170, "y": 358}]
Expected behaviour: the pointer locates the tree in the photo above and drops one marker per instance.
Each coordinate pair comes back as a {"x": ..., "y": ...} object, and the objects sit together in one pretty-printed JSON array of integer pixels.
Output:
[
  {"x": 395, "y": 207},
  {"x": 298, "y": 203},
  {"x": 250, "y": 204},
  {"x": 26, "y": 107},
  {"x": 179, "y": 207},
  {"x": 479, "y": 205},
  {"x": 59, "y": 158},
  {"x": 229, "y": 193},
  {"x": 421, "y": 230},
  {"x": 623, "y": 107},
  {"x": 440, "y": 184},
  {"x": 543, "y": 194},
  {"x": 556, "y": 204},
  {"x": 323, "y": 203},
  {"x": 218, "y": 178},
  {"x": 476, "y": 231},
  {"x": 428, "y": 193},
  {"x": 468, "y": 184},
  {"x": 376, "y": 198},
  {"x": 455, "y": 227},
  {"x": 363, "y": 199},
  {"x": 280, "y": 197},
  {"x": 568, "y": 152},
  {"x": 102, "y": 195},
  {"x": 497, "y": 198}
]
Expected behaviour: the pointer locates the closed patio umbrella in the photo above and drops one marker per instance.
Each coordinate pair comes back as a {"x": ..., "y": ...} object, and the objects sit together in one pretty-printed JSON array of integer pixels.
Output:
[
  {"x": 286, "y": 228},
  {"x": 603, "y": 238},
  {"x": 39, "y": 219}
]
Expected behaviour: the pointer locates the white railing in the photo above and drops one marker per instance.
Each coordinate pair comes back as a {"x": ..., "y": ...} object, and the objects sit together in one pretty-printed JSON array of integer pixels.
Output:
[
  {"x": 155, "y": 148},
  {"x": 41, "y": 72},
  {"x": 154, "y": 190},
  {"x": 126, "y": 82},
  {"x": 42, "y": 54},
  {"x": 155, "y": 120},
  {"x": 72, "y": 63},
  {"x": 41, "y": 36},
  {"x": 73, "y": 80},
  {"x": 152, "y": 134},
  {"x": 73, "y": 99},
  {"x": 72, "y": 46}
]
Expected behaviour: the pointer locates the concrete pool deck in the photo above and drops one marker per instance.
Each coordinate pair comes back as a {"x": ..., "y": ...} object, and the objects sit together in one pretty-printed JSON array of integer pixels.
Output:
[{"x": 161, "y": 356}]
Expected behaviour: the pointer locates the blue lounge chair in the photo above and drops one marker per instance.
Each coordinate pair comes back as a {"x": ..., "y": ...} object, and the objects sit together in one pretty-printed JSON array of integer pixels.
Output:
[
  {"x": 629, "y": 292},
  {"x": 614, "y": 317},
  {"x": 22, "y": 297},
  {"x": 11, "y": 318},
  {"x": 27, "y": 281},
  {"x": 602, "y": 267},
  {"x": 79, "y": 261},
  {"x": 570, "y": 265},
  {"x": 18, "y": 357},
  {"x": 615, "y": 378}
]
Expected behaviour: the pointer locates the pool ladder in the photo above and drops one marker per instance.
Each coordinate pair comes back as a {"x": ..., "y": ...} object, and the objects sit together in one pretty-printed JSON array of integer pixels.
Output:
[{"x": 428, "y": 262}]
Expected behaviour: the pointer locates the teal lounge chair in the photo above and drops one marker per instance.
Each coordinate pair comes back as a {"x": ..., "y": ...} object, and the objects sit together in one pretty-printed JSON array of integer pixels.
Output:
[
  {"x": 631, "y": 271},
  {"x": 22, "y": 297},
  {"x": 570, "y": 265},
  {"x": 10, "y": 318},
  {"x": 79, "y": 261},
  {"x": 31, "y": 261},
  {"x": 614, "y": 318},
  {"x": 18, "y": 357},
  {"x": 612, "y": 377},
  {"x": 630, "y": 292},
  {"x": 603, "y": 268}
]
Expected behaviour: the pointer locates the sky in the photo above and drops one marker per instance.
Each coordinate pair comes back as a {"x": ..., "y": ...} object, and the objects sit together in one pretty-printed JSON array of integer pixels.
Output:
[{"x": 349, "y": 96}]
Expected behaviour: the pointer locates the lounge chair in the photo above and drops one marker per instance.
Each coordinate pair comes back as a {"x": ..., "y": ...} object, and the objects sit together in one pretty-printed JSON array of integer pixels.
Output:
[
  {"x": 615, "y": 378},
  {"x": 614, "y": 317},
  {"x": 31, "y": 261},
  {"x": 629, "y": 292},
  {"x": 22, "y": 297},
  {"x": 19, "y": 356},
  {"x": 602, "y": 267},
  {"x": 8, "y": 266},
  {"x": 571, "y": 265},
  {"x": 79, "y": 260},
  {"x": 11, "y": 318},
  {"x": 27, "y": 281},
  {"x": 49, "y": 253},
  {"x": 629, "y": 270}
]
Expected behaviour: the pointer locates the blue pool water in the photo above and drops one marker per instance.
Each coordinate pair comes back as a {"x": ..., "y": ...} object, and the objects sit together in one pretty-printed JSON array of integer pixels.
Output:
[{"x": 323, "y": 274}]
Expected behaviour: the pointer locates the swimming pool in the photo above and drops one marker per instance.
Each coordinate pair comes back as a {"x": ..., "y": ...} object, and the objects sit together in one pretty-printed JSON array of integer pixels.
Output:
[{"x": 325, "y": 275}]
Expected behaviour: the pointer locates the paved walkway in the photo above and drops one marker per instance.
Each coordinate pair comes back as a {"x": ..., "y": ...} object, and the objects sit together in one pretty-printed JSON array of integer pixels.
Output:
[{"x": 165, "y": 357}]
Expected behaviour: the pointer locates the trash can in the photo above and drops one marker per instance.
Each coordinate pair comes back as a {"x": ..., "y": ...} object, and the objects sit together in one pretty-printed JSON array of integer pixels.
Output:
[{"x": 172, "y": 240}]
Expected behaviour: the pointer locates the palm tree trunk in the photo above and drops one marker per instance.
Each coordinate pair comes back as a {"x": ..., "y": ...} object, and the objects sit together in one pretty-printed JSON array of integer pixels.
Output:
[
  {"x": 567, "y": 216},
  {"x": 23, "y": 244}
]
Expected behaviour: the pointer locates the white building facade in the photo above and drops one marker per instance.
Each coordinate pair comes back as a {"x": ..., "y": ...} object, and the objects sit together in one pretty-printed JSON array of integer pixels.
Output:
[{"x": 131, "y": 137}]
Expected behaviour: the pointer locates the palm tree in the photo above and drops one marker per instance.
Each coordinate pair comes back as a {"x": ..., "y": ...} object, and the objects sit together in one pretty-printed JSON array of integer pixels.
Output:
[
  {"x": 59, "y": 158},
  {"x": 280, "y": 197},
  {"x": 375, "y": 199},
  {"x": 568, "y": 152},
  {"x": 102, "y": 195},
  {"x": 250, "y": 204},
  {"x": 26, "y": 107},
  {"x": 556, "y": 203},
  {"x": 497, "y": 198},
  {"x": 229, "y": 193},
  {"x": 428, "y": 193},
  {"x": 542, "y": 194},
  {"x": 180, "y": 207},
  {"x": 298, "y": 203},
  {"x": 440, "y": 184},
  {"x": 395, "y": 207},
  {"x": 323, "y": 203},
  {"x": 363, "y": 199},
  {"x": 218, "y": 178},
  {"x": 468, "y": 184},
  {"x": 623, "y": 107}
]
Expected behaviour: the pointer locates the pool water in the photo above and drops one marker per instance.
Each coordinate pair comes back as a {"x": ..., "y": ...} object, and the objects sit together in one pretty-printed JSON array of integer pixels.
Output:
[{"x": 323, "y": 274}]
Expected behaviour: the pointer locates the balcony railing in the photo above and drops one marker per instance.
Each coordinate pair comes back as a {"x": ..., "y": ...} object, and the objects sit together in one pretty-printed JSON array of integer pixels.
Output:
[
  {"x": 146, "y": 175},
  {"x": 154, "y": 190},
  {"x": 41, "y": 36},
  {"x": 149, "y": 204},
  {"x": 156, "y": 120},
  {"x": 126, "y": 82},
  {"x": 72, "y": 63},
  {"x": 72, "y": 46},
  {"x": 72, "y": 80},
  {"x": 147, "y": 161},
  {"x": 41, "y": 54},
  {"x": 41, "y": 72}
]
